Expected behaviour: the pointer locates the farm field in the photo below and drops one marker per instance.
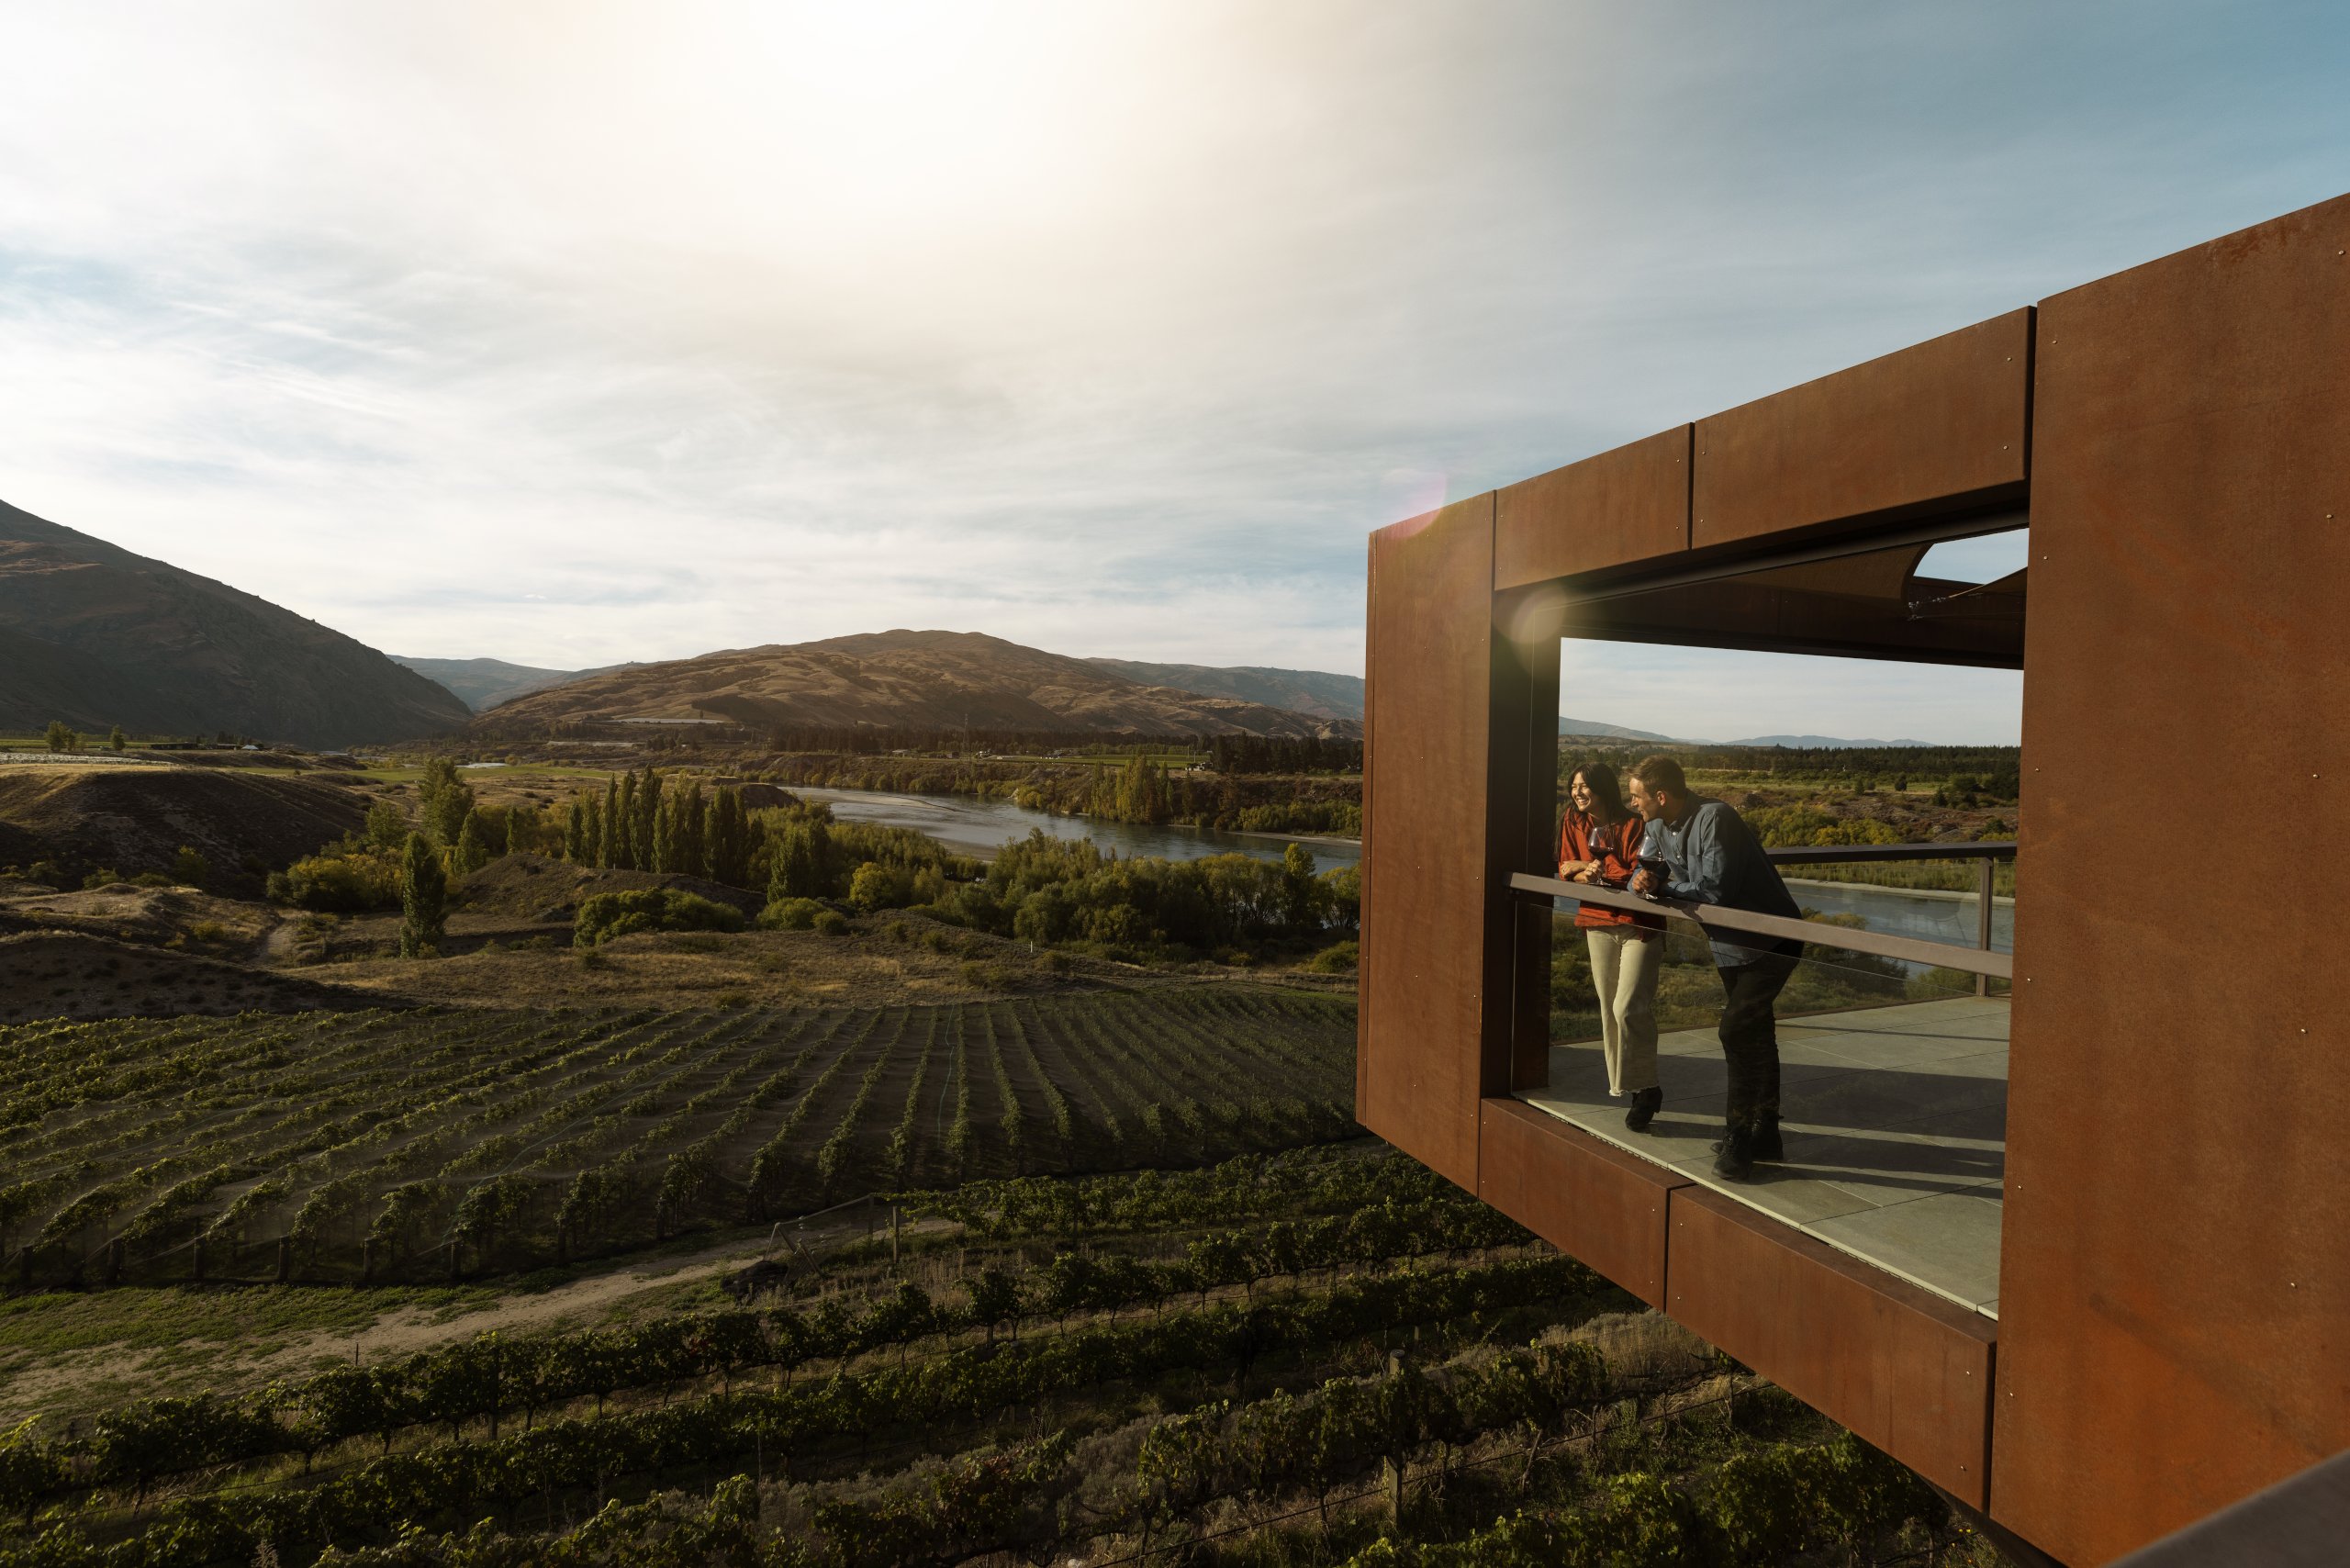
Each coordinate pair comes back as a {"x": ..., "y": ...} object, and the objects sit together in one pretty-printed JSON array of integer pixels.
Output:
[
  {"x": 1276, "y": 1359},
  {"x": 376, "y": 1147}
]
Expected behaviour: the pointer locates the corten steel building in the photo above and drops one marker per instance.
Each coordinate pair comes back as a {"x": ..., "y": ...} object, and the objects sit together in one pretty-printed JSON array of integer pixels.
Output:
[{"x": 2151, "y": 1128}]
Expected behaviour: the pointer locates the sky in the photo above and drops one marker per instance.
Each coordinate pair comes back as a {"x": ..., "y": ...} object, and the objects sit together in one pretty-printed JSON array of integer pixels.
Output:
[{"x": 570, "y": 332}]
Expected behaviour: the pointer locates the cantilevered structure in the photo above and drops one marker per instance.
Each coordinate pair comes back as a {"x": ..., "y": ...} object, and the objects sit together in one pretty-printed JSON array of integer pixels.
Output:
[{"x": 2169, "y": 1331}]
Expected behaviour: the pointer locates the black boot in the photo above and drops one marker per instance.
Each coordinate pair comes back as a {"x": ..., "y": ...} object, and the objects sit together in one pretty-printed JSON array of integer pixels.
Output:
[
  {"x": 1767, "y": 1145},
  {"x": 1736, "y": 1160},
  {"x": 1644, "y": 1107}
]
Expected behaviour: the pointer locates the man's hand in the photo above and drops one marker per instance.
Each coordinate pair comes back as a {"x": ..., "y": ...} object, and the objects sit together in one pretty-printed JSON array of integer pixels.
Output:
[
  {"x": 1590, "y": 873},
  {"x": 1647, "y": 882}
]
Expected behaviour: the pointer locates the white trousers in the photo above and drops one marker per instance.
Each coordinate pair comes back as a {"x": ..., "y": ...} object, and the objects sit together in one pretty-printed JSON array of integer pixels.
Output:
[{"x": 1623, "y": 970}]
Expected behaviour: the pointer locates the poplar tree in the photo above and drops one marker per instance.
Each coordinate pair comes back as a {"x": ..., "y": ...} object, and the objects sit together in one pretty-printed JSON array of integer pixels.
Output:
[
  {"x": 424, "y": 898},
  {"x": 800, "y": 858},
  {"x": 728, "y": 834},
  {"x": 575, "y": 831},
  {"x": 692, "y": 856},
  {"x": 620, "y": 830},
  {"x": 443, "y": 798},
  {"x": 472, "y": 844},
  {"x": 607, "y": 827},
  {"x": 648, "y": 819}
]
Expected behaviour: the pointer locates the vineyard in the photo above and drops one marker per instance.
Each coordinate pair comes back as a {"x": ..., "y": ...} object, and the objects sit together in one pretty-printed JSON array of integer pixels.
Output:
[
  {"x": 1316, "y": 1357},
  {"x": 376, "y": 1147}
]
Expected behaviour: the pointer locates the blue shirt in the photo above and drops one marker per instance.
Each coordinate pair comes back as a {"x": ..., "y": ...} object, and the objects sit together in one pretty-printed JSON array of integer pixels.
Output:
[{"x": 1714, "y": 858}]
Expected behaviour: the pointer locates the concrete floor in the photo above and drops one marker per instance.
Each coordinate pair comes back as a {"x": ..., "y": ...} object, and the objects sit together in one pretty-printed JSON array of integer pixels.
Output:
[{"x": 1895, "y": 1120}]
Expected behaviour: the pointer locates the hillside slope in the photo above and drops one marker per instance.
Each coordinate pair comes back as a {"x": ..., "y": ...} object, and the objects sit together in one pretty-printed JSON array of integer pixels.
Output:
[
  {"x": 899, "y": 680},
  {"x": 131, "y": 819},
  {"x": 1318, "y": 692},
  {"x": 96, "y": 636}
]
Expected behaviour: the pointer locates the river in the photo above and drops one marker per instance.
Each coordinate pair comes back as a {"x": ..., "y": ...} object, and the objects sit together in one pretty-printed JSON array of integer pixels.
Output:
[{"x": 971, "y": 825}]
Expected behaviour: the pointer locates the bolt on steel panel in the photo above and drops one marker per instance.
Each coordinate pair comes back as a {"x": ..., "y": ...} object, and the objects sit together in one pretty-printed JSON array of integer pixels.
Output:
[
  {"x": 1942, "y": 425},
  {"x": 2174, "y": 1284}
]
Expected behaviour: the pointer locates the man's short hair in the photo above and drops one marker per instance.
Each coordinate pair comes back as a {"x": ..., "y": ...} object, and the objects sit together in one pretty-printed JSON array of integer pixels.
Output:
[{"x": 1661, "y": 774}]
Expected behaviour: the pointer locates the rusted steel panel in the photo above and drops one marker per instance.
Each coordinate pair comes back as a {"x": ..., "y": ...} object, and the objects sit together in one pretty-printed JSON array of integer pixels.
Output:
[
  {"x": 1629, "y": 504},
  {"x": 1428, "y": 969},
  {"x": 2175, "y": 1287},
  {"x": 1940, "y": 425},
  {"x": 1593, "y": 1203},
  {"x": 1900, "y": 1367}
]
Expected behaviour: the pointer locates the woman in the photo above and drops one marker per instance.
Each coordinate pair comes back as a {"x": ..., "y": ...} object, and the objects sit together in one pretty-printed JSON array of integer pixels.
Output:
[{"x": 1599, "y": 841}]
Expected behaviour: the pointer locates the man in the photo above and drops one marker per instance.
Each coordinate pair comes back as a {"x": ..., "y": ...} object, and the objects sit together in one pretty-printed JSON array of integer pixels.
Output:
[{"x": 1700, "y": 850}]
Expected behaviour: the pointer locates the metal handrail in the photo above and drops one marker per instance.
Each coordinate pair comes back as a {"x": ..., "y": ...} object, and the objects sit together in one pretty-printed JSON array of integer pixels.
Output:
[{"x": 1910, "y": 950}]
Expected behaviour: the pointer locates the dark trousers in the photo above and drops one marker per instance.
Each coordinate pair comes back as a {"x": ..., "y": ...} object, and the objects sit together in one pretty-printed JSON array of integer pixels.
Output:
[{"x": 1750, "y": 1035}]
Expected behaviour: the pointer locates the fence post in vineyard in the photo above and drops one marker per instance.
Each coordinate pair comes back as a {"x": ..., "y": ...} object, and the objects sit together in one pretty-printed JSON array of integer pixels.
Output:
[
  {"x": 456, "y": 1259},
  {"x": 114, "y": 1261},
  {"x": 285, "y": 1259},
  {"x": 893, "y": 1236},
  {"x": 199, "y": 1264}
]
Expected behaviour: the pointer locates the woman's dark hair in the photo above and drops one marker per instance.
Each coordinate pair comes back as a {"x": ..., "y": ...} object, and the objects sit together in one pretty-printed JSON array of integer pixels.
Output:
[{"x": 1607, "y": 795}]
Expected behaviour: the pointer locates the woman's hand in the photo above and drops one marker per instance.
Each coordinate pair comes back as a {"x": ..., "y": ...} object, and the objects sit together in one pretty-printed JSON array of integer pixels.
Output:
[
  {"x": 1589, "y": 872},
  {"x": 1575, "y": 870}
]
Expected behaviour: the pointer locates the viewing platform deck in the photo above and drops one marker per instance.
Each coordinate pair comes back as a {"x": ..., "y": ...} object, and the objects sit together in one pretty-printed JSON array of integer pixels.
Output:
[{"x": 1894, "y": 1120}]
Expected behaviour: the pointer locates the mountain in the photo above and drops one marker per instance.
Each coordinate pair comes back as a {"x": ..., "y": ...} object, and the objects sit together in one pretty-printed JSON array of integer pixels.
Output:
[
  {"x": 97, "y": 636},
  {"x": 485, "y": 683},
  {"x": 1605, "y": 732},
  {"x": 1816, "y": 743},
  {"x": 932, "y": 680},
  {"x": 1314, "y": 691}
]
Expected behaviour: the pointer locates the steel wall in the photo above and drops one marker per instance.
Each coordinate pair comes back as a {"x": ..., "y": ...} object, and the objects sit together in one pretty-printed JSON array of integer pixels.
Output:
[
  {"x": 2174, "y": 1297},
  {"x": 1426, "y": 961}
]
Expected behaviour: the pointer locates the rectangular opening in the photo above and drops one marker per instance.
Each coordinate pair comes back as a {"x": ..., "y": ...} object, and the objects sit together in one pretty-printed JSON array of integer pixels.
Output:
[{"x": 1860, "y": 716}]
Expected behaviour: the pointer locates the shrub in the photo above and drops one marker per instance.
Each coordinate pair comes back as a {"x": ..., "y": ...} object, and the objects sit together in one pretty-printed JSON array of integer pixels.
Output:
[
  {"x": 105, "y": 876},
  {"x": 790, "y": 915},
  {"x": 208, "y": 930},
  {"x": 606, "y": 915},
  {"x": 1337, "y": 959},
  {"x": 832, "y": 922},
  {"x": 190, "y": 868},
  {"x": 874, "y": 886},
  {"x": 339, "y": 884},
  {"x": 152, "y": 879}
]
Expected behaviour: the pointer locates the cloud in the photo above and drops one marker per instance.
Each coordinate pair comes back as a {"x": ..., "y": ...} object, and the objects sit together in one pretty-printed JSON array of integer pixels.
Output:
[{"x": 576, "y": 333}]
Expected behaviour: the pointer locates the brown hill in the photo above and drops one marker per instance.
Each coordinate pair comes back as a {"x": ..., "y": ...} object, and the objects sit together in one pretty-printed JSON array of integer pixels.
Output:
[
  {"x": 132, "y": 818},
  {"x": 59, "y": 974},
  {"x": 927, "y": 680},
  {"x": 97, "y": 636}
]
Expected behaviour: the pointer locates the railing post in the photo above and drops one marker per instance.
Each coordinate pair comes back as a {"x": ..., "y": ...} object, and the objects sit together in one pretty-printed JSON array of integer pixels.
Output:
[{"x": 1983, "y": 885}]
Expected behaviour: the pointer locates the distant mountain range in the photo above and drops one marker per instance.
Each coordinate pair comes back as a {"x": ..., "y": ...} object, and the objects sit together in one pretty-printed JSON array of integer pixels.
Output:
[
  {"x": 1593, "y": 728},
  {"x": 97, "y": 636},
  {"x": 899, "y": 680},
  {"x": 485, "y": 683},
  {"x": 1814, "y": 742}
]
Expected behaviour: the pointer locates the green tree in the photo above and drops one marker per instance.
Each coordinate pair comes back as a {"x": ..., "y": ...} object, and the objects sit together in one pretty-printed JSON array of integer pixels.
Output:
[
  {"x": 644, "y": 836},
  {"x": 387, "y": 830},
  {"x": 801, "y": 857},
  {"x": 62, "y": 736},
  {"x": 577, "y": 836},
  {"x": 608, "y": 825},
  {"x": 620, "y": 827},
  {"x": 117, "y": 739},
  {"x": 472, "y": 852},
  {"x": 443, "y": 799},
  {"x": 190, "y": 868},
  {"x": 424, "y": 898},
  {"x": 728, "y": 834}
]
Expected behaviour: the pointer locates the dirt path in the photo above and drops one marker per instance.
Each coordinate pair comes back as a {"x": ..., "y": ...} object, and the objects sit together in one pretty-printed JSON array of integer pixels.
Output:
[{"x": 579, "y": 1303}]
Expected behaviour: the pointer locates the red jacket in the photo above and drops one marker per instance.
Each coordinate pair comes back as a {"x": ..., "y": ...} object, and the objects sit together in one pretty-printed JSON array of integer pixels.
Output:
[{"x": 1617, "y": 847}]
